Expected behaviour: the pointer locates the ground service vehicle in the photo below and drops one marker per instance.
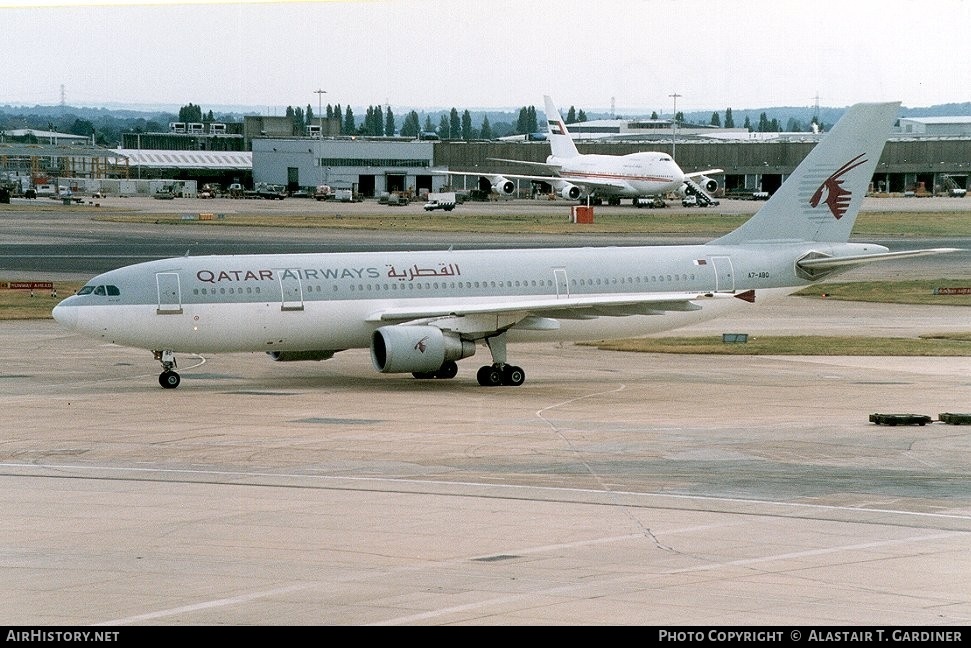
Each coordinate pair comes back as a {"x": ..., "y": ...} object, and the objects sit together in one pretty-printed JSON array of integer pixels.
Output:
[
  {"x": 444, "y": 200},
  {"x": 271, "y": 191}
]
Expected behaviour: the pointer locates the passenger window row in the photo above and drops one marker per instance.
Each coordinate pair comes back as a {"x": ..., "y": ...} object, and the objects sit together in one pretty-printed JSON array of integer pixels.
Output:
[{"x": 468, "y": 285}]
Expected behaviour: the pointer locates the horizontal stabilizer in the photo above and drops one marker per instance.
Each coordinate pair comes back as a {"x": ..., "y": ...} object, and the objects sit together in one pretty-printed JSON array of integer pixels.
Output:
[
  {"x": 828, "y": 263},
  {"x": 815, "y": 267}
]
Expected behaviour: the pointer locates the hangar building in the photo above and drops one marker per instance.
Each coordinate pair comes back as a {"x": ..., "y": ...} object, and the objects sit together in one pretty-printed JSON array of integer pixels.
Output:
[{"x": 367, "y": 166}]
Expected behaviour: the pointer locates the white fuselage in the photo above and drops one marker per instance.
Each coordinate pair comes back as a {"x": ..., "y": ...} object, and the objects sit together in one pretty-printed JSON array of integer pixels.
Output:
[
  {"x": 633, "y": 175},
  {"x": 336, "y": 301}
]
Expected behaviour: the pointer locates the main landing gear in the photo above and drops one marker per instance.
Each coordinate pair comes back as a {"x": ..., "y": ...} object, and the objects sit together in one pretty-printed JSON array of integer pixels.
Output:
[
  {"x": 449, "y": 369},
  {"x": 494, "y": 375},
  {"x": 488, "y": 376},
  {"x": 499, "y": 372},
  {"x": 168, "y": 379}
]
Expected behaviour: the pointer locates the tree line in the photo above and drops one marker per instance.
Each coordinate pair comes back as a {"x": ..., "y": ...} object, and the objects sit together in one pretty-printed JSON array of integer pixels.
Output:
[
  {"x": 381, "y": 121},
  {"x": 451, "y": 125},
  {"x": 106, "y": 126}
]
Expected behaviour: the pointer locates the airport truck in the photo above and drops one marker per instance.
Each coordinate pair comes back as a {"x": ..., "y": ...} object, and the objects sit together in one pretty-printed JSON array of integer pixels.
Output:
[{"x": 443, "y": 200}]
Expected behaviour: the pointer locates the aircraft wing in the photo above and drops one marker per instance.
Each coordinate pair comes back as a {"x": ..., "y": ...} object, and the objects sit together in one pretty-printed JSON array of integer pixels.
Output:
[
  {"x": 545, "y": 165},
  {"x": 587, "y": 183},
  {"x": 695, "y": 174},
  {"x": 542, "y": 312},
  {"x": 510, "y": 176}
]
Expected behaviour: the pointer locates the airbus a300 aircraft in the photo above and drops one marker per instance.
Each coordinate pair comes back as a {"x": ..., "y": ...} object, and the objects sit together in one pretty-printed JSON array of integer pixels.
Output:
[
  {"x": 420, "y": 312},
  {"x": 572, "y": 174}
]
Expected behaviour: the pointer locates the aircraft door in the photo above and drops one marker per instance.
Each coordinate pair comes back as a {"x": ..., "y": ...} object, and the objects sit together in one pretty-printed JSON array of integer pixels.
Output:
[
  {"x": 291, "y": 290},
  {"x": 169, "y": 293},
  {"x": 724, "y": 274},
  {"x": 562, "y": 284}
]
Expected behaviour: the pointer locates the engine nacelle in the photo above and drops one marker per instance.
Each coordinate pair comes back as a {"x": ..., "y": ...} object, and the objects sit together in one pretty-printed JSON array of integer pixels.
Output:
[
  {"x": 503, "y": 186},
  {"x": 570, "y": 192},
  {"x": 416, "y": 349},
  {"x": 710, "y": 185},
  {"x": 298, "y": 356}
]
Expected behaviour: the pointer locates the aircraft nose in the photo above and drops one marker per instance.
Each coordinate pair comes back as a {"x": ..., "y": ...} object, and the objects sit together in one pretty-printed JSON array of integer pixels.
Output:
[{"x": 66, "y": 316}]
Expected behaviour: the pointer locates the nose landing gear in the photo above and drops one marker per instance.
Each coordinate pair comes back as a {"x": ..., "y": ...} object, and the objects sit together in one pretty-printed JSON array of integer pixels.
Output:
[{"x": 168, "y": 379}]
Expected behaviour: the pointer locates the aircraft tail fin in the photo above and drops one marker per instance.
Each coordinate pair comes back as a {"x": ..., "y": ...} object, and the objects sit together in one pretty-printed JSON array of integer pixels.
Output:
[
  {"x": 561, "y": 144},
  {"x": 821, "y": 199}
]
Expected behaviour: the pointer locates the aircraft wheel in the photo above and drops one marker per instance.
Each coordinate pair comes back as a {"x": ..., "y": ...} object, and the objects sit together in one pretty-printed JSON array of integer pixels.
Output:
[
  {"x": 489, "y": 376},
  {"x": 448, "y": 370},
  {"x": 169, "y": 379},
  {"x": 514, "y": 376}
]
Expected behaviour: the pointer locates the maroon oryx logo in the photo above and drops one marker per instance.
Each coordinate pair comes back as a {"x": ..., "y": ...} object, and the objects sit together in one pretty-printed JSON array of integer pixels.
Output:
[
  {"x": 420, "y": 345},
  {"x": 837, "y": 198}
]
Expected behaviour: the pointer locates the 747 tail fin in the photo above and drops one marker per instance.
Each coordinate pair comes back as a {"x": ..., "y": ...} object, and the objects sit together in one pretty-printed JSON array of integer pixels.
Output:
[{"x": 561, "y": 144}]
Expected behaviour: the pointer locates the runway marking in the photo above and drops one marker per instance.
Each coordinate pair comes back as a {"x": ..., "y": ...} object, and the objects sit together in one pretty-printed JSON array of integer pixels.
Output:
[
  {"x": 599, "y": 541},
  {"x": 424, "y": 616},
  {"x": 572, "y": 588},
  {"x": 207, "y": 605},
  {"x": 556, "y": 430},
  {"x": 253, "y": 596},
  {"x": 817, "y": 552},
  {"x": 599, "y": 584},
  {"x": 439, "y": 487},
  {"x": 646, "y": 531}
]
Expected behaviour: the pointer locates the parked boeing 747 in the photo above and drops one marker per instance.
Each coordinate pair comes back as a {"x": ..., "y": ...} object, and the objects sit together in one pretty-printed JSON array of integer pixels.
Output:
[
  {"x": 573, "y": 174},
  {"x": 421, "y": 312}
]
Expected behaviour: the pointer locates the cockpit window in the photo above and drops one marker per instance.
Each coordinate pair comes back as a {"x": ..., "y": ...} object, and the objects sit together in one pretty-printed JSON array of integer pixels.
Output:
[{"x": 101, "y": 291}]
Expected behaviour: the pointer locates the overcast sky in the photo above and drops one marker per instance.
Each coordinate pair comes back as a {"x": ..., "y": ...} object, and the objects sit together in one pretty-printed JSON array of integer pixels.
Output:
[{"x": 592, "y": 54}]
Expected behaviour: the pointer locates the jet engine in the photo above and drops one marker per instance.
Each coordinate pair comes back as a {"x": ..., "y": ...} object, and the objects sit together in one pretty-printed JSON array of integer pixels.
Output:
[
  {"x": 708, "y": 184},
  {"x": 503, "y": 186},
  {"x": 416, "y": 349},
  {"x": 297, "y": 356},
  {"x": 569, "y": 191}
]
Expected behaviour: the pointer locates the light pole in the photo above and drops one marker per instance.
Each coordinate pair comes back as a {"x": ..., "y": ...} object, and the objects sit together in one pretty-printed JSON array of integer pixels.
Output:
[
  {"x": 320, "y": 122},
  {"x": 320, "y": 119},
  {"x": 674, "y": 125}
]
